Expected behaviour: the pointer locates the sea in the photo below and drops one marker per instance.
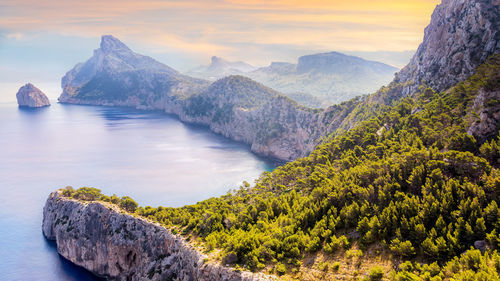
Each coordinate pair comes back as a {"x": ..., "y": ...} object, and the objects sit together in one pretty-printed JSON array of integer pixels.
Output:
[{"x": 148, "y": 155}]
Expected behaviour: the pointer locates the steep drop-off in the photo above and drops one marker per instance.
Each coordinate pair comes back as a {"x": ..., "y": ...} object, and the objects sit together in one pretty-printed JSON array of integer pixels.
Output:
[{"x": 118, "y": 246}]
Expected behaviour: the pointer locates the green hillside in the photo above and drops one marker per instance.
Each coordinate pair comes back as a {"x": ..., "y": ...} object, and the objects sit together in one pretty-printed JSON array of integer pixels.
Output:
[{"x": 407, "y": 193}]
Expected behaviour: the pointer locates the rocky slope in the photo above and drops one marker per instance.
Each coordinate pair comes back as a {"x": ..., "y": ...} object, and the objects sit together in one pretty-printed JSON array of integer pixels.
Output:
[
  {"x": 118, "y": 246},
  {"x": 246, "y": 111},
  {"x": 30, "y": 96},
  {"x": 460, "y": 36}
]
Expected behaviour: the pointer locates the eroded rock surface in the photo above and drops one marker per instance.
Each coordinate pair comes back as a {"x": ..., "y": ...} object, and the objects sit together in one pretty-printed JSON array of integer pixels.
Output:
[
  {"x": 30, "y": 96},
  {"x": 119, "y": 246},
  {"x": 461, "y": 36}
]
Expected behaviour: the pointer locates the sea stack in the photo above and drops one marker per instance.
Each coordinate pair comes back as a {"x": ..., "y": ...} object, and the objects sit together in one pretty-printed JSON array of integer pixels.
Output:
[{"x": 30, "y": 96}]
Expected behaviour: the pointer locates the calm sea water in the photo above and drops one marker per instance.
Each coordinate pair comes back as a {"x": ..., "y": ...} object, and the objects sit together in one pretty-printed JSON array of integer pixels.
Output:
[{"x": 149, "y": 156}]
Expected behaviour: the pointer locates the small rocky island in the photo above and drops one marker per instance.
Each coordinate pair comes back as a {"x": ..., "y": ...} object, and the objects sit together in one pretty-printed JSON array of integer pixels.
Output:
[{"x": 30, "y": 96}]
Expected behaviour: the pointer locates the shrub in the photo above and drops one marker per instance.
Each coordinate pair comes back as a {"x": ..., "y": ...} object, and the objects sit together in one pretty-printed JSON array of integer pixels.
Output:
[
  {"x": 87, "y": 194},
  {"x": 128, "y": 204},
  {"x": 280, "y": 269},
  {"x": 376, "y": 274}
]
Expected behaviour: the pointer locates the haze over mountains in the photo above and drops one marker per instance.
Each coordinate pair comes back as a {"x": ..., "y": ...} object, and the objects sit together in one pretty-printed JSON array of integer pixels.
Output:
[{"x": 315, "y": 80}]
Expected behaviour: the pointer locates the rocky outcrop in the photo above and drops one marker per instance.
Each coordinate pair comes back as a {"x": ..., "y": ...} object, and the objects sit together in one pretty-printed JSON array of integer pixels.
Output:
[
  {"x": 118, "y": 246},
  {"x": 30, "y": 96},
  {"x": 487, "y": 106},
  {"x": 462, "y": 34}
]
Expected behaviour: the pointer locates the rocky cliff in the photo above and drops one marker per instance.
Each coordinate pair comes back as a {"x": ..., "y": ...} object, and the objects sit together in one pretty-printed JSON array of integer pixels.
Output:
[
  {"x": 462, "y": 34},
  {"x": 30, "y": 96},
  {"x": 118, "y": 246},
  {"x": 246, "y": 111}
]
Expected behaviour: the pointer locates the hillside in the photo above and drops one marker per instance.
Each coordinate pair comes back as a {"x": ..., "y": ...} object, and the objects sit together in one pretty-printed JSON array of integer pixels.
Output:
[{"x": 408, "y": 189}]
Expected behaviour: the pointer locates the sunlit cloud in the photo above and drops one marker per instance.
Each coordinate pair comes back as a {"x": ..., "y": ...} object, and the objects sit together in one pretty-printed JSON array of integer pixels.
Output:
[
  {"x": 216, "y": 27},
  {"x": 15, "y": 36}
]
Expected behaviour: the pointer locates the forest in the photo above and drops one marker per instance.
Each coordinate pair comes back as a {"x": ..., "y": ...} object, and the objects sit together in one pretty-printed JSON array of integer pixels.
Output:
[{"x": 409, "y": 182}]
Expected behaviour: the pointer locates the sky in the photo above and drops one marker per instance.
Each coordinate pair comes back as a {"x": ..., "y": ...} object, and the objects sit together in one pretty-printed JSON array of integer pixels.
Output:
[{"x": 42, "y": 39}]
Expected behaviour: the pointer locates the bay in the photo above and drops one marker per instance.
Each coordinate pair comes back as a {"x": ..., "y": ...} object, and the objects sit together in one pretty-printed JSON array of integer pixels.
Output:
[{"x": 150, "y": 156}]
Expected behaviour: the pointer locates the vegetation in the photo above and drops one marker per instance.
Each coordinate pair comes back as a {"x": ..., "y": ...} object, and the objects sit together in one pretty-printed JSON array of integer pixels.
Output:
[{"x": 410, "y": 180}]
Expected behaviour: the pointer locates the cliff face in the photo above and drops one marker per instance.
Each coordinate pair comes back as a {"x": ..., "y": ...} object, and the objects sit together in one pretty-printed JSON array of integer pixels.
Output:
[
  {"x": 244, "y": 110},
  {"x": 118, "y": 246},
  {"x": 461, "y": 35},
  {"x": 30, "y": 96}
]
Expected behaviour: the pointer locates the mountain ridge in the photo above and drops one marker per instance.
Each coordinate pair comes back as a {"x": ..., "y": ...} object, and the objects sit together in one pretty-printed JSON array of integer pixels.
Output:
[{"x": 330, "y": 77}]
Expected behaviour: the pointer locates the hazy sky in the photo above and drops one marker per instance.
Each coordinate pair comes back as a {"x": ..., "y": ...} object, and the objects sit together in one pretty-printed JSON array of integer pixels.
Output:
[{"x": 42, "y": 37}]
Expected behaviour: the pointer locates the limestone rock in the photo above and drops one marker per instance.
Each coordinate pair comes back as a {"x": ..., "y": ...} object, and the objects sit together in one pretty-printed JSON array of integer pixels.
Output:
[
  {"x": 487, "y": 107},
  {"x": 460, "y": 37},
  {"x": 118, "y": 246},
  {"x": 30, "y": 96},
  {"x": 481, "y": 245}
]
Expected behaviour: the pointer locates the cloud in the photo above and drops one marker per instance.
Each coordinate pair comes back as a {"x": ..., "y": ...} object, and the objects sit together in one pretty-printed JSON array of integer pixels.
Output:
[
  {"x": 201, "y": 28},
  {"x": 16, "y": 36}
]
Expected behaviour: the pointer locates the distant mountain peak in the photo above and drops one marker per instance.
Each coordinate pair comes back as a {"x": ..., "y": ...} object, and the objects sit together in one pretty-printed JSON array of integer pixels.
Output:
[
  {"x": 113, "y": 56},
  {"x": 335, "y": 62},
  {"x": 216, "y": 59},
  {"x": 109, "y": 43}
]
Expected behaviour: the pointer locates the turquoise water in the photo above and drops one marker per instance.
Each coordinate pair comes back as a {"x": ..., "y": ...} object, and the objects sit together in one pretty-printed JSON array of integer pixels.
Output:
[{"x": 150, "y": 156}]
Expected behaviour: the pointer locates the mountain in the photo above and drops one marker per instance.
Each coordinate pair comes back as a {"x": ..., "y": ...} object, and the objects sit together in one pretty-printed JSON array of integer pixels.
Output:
[
  {"x": 247, "y": 111},
  {"x": 235, "y": 106},
  {"x": 220, "y": 68},
  {"x": 333, "y": 77},
  {"x": 115, "y": 75},
  {"x": 319, "y": 79}
]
